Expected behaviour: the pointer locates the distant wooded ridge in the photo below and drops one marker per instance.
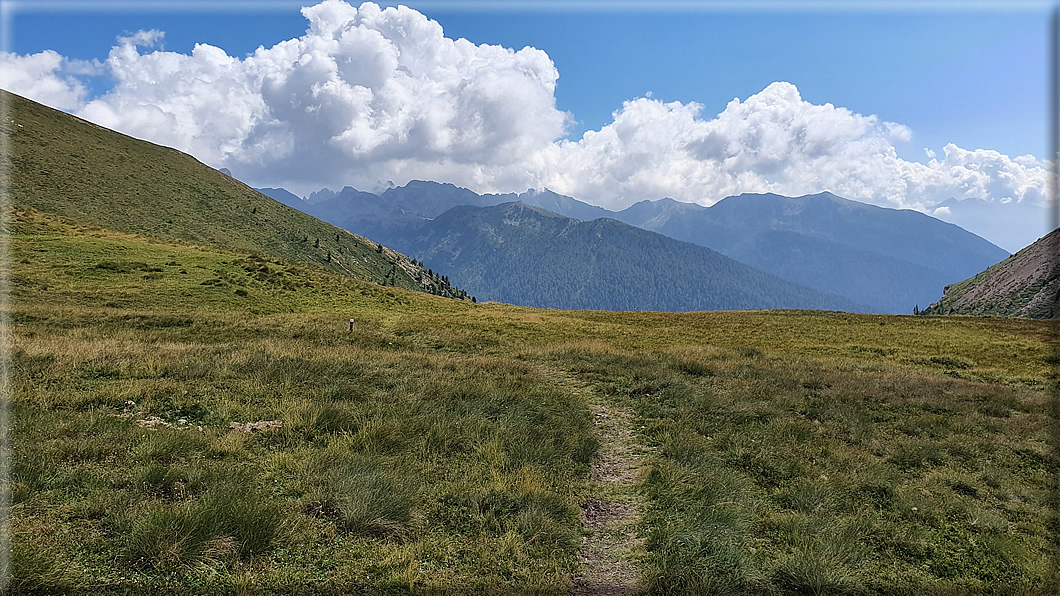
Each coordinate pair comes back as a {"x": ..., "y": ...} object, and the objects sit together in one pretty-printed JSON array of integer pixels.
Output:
[{"x": 871, "y": 258}]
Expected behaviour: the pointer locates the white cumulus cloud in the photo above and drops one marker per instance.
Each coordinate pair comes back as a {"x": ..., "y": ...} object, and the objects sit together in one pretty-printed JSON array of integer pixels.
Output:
[
  {"x": 201, "y": 103},
  {"x": 46, "y": 77},
  {"x": 147, "y": 39},
  {"x": 366, "y": 94},
  {"x": 772, "y": 142}
]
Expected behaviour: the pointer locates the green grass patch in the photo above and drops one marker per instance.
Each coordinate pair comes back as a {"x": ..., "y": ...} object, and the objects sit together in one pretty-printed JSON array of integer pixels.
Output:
[{"x": 810, "y": 475}]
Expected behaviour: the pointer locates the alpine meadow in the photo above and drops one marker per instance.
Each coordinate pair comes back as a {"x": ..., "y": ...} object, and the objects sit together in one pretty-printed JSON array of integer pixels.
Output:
[
  {"x": 214, "y": 393},
  {"x": 501, "y": 297}
]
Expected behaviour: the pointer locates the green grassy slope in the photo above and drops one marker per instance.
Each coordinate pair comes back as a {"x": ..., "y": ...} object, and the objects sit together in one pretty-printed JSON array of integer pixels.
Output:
[
  {"x": 91, "y": 175},
  {"x": 1027, "y": 284},
  {"x": 446, "y": 446}
]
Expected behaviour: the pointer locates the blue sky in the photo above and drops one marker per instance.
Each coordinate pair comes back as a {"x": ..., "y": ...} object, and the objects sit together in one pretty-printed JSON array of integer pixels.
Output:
[
  {"x": 976, "y": 78},
  {"x": 972, "y": 77}
]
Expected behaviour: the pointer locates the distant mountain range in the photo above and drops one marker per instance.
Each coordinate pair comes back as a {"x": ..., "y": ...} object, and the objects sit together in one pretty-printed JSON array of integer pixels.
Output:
[
  {"x": 890, "y": 259},
  {"x": 884, "y": 260},
  {"x": 1025, "y": 285},
  {"x": 1015, "y": 225},
  {"x": 526, "y": 255},
  {"x": 533, "y": 257}
]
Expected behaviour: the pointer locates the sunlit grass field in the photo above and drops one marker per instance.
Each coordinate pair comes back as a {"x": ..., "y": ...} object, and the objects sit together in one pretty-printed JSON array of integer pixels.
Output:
[{"x": 444, "y": 446}]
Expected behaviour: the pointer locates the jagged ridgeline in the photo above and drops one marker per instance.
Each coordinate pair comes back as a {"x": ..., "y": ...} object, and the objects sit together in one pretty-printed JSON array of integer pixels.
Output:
[{"x": 65, "y": 166}]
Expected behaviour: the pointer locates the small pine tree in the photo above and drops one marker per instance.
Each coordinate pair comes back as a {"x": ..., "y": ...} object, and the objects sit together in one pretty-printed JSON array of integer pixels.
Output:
[
  {"x": 473, "y": 299},
  {"x": 317, "y": 243},
  {"x": 328, "y": 259},
  {"x": 916, "y": 309}
]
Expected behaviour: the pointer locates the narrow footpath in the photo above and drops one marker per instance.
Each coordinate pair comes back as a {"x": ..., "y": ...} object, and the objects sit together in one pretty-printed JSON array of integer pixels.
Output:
[{"x": 610, "y": 545}]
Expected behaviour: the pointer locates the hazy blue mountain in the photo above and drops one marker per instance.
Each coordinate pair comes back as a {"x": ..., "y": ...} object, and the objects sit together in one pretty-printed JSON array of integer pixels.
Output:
[
  {"x": 900, "y": 233},
  {"x": 429, "y": 199},
  {"x": 1007, "y": 223},
  {"x": 395, "y": 209},
  {"x": 557, "y": 203},
  {"x": 352, "y": 209},
  {"x": 889, "y": 259},
  {"x": 886, "y": 283},
  {"x": 322, "y": 195},
  {"x": 526, "y": 255},
  {"x": 284, "y": 196}
]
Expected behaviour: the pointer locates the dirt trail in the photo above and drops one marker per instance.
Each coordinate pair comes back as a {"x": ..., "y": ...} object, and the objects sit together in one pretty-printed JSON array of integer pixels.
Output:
[{"x": 611, "y": 514}]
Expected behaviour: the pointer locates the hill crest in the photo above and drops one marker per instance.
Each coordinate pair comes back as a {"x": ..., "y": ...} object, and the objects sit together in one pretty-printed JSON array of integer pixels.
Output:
[
  {"x": 65, "y": 166},
  {"x": 1026, "y": 284}
]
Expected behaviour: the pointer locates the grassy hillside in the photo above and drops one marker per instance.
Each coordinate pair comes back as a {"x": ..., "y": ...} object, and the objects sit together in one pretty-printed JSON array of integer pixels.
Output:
[
  {"x": 94, "y": 176},
  {"x": 1027, "y": 284},
  {"x": 173, "y": 435}
]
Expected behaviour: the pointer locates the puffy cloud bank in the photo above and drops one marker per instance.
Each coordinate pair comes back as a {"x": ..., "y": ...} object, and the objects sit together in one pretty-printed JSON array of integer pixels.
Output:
[
  {"x": 366, "y": 94},
  {"x": 371, "y": 94},
  {"x": 773, "y": 142},
  {"x": 46, "y": 77}
]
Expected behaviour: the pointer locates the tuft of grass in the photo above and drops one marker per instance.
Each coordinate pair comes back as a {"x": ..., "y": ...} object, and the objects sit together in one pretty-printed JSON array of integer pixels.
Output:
[
  {"x": 747, "y": 352},
  {"x": 34, "y": 569},
  {"x": 695, "y": 369},
  {"x": 231, "y": 521},
  {"x": 953, "y": 362},
  {"x": 367, "y": 502},
  {"x": 818, "y": 570}
]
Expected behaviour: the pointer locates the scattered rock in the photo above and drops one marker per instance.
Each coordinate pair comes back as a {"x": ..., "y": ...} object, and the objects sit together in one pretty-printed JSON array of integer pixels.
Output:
[
  {"x": 152, "y": 422},
  {"x": 155, "y": 422},
  {"x": 253, "y": 427}
]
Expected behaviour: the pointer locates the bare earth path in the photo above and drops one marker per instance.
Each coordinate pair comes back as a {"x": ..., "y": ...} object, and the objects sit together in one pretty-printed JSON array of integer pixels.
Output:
[{"x": 610, "y": 515}]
